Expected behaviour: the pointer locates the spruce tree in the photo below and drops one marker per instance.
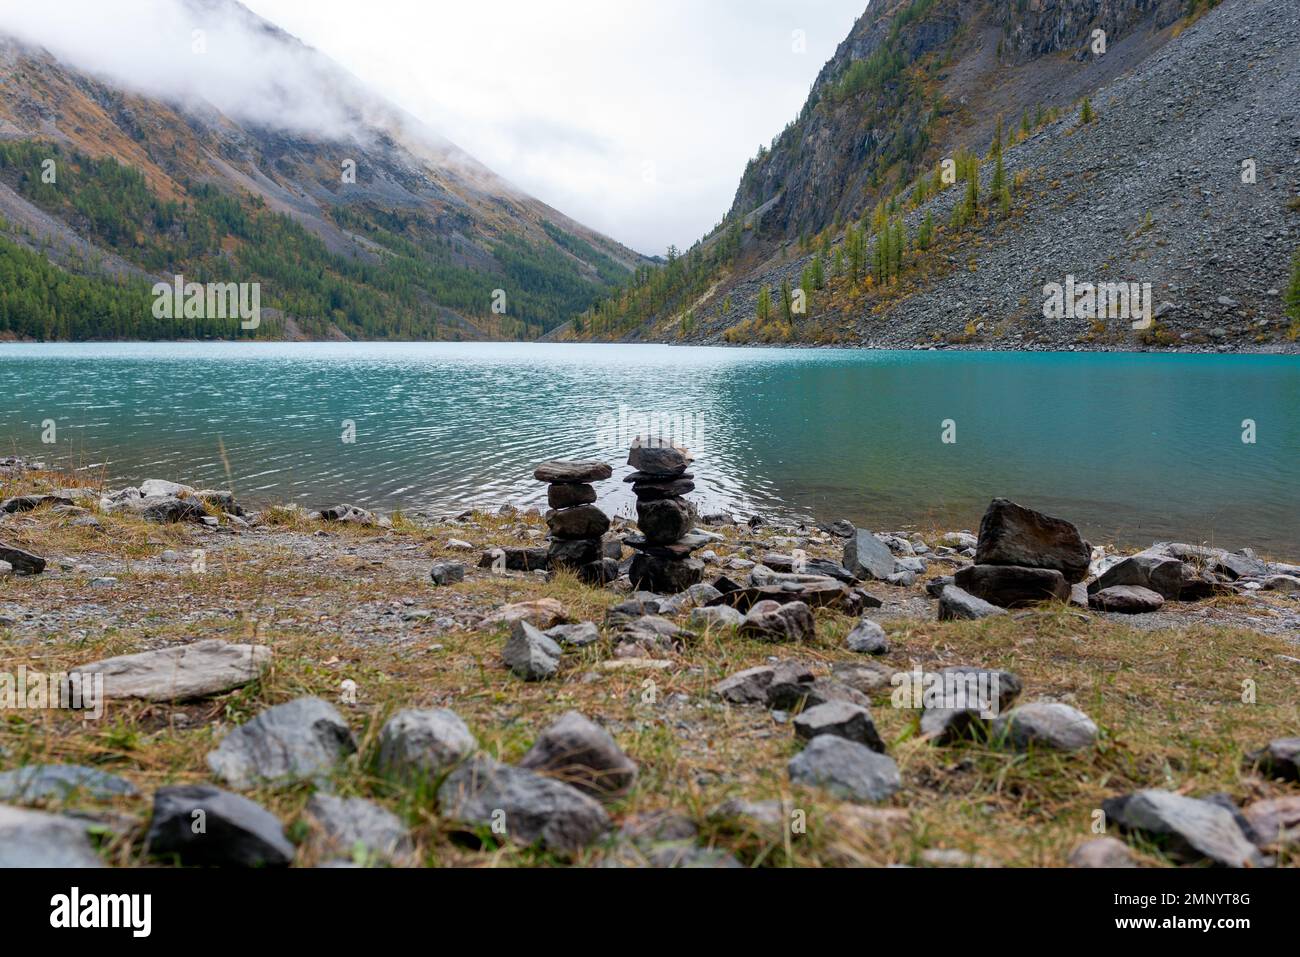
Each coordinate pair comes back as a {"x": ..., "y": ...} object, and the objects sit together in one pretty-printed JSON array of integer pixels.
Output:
[{"x": 1293, "y": 291}]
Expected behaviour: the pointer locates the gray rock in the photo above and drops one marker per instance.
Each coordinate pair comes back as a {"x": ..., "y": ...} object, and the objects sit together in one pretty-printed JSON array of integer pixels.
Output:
[
  {"x": 359, "y": 830},
  {"x": 352, "y": 515},
  {"x": 582, "y": 754},
  {"x": 788, "y": 692},
  {"x": 301, "y": 740},
  {"x": 572, "y": 473},
  {"x": 849, "y": 770},
  {"x": 530, "y": 654},
  {"x": 665, "y": 521},
  {"x": 573, "y": 553},
  {"x": 671, "y": 854},
  {"x": 516, "y": 559},
  {"x": 935, "y": 586},
  {"x": 1286, "y": 584},
  {"x": 182, "y": 672},
  {"x": 1011, "y": 534},
  {"x": 582, "y": 635},
  {"x": 161, "y": 488},
  {"x": 1278, "y": 759},
  {"x": 770, "y": 621},
  {"x": 520, "y": 805},
  {"x": 1275, "y": 821},
  {"x": 447, "y": 573},
  {"x": 868, "y": 638},
  {"x": 867, "y": 557},
  {"x": 659, "y": 457},
  {"x": 967, "y": 699},
  {"x": 580, "y": 522},
  {"x": 1103, "y": 852},
  {"x": 862, "y": 677},
  {"x": 23, "y": 562},
  {"x": 750, "y": 686},
  {"x": 1013, "y": 586},
  {"x": 570, "y": 495},
  {"x": 1127, "y": 600},
  {"x": 34, "y": 839},
  {"x": 1193, "y": 829},
  {"x": 423, "y": 744},
  {"x": 665, "y": 576},
  {"x": 205, "y": 826},
  {"x": 39, "y": 782},
  {"x": 718, "y": 616},
  {"x": 955, "y": 604},
  {"x": 1159, "y": 573},
  {"x": 841, "y": 719},
  {"x": 1046, "y": 724},
  {"x": 6, "y": 570}
]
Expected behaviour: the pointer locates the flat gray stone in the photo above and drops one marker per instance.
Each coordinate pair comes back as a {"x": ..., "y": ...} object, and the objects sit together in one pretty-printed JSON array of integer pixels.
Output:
[
  {"x": 205, "y": 826},
  {"x": 298, "y": 741},
  {"x": 572, "y": 473},
  {"x": 530, "y": 654},
  {"x": 182, "y": 672},
  {"x": 1046, "y": 724},
  {"x": 423, "y": 744},
  {"x": 582, "y": 635},
  {"x": 1127, "y": 600},
  {"x": 359, "y": 830},
  {"x": 848, "y": 770},
  {"x": 31, "y": 839},
  {"x": 717, "y": 616},
  {"x": 515, "y": 804},
  {"x": 956, "y": 604},
  {"x": 584, "y": 755},
  {"x": 1194, "y": 829},
  {"x": 842, "y": 719},
  {"x": 39, "y": 782}
]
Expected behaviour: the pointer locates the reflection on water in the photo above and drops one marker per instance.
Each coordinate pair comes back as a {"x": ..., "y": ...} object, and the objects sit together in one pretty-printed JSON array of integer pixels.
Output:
[{"x": 1133, "y": 447}]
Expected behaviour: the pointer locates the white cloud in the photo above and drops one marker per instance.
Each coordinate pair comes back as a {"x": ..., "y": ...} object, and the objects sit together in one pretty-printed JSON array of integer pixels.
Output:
[{"x": 634, "y": 118}]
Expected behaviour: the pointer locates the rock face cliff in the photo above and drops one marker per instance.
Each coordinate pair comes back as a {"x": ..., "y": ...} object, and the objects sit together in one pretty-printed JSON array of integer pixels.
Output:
[{"x": 1127, "y": 125}]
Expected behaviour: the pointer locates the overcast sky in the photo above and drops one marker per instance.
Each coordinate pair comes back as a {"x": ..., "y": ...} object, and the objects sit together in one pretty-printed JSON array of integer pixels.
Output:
[{"x": 634, "y": 117}]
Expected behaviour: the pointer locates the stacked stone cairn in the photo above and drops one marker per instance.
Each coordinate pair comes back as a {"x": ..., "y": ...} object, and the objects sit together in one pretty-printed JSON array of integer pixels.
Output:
[
  {"x": 577, "y": 525},
  {"x": 664, "y": 564}
]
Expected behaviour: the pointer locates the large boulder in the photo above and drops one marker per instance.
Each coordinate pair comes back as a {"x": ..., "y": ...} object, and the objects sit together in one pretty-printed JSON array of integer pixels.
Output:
[
  {"x": 1013, "y": 586},
  {"x": 867, "y": 557},
  {"x": 1011, "y": 534},
  {"x": 301, "y": 740},
  {"x": 519, "y": 805},
  {"x": 205, "y": 826},
  {"x": 581, "y": 753},
  {"x": 182, "y": 672}
]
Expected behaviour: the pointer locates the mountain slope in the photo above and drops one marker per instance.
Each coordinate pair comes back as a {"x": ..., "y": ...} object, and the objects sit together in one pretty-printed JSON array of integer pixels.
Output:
[
  {"x": 1149, "y": 189},
  {"x": 357, "y": 222}
]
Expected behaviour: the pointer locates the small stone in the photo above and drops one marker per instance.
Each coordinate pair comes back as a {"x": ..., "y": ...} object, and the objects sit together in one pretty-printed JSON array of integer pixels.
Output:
[
  {"x": 719, "y": 616},
  {"x": 868, "y": 638},
  {"x": 34, "y": 839},
  {"x": 6, "y": 570},
  {"x": 842, "y": 719},
  {"x": 865, "y": 678},
  {"x": 23, "y": 562},
  {"x": 1046, "y": 724},
  {"x": 355, "y": 827},
  {"x": 1278, "y": 759},
  {"x": 582, "y": 754},
  {"x": 769, "y": 621},
  {"x": 1286, "y": 584},
  {"x": 789, "y": 692},
  {"x": 530, "y": 654},
  {"x": 301, "y": 740},
  {"x": 573, "y": 553},
  {"x": 447, "y": 573},
  {"x": 40, "y": 782},
  {"x": 658, "y": 456},
  {"x": 417, "y": 744},
  {"x": 542, "y": 613},
  {"x": 1127, "y": 600},
  {"x": 967, "y": 700},
  {"x": 748, "y": 686},
  {"x": 581, "y": 635},
  {"x": 570, "y": 496},
  {"x": 956, "y": 604},
  {"x": 236, "y": 832},
  {"x": 515, "y": 559},
  {"x": 1103, "y": 852},
  {"x": 1194, "y": 829},
  {"x": 848, "y": 770},
  {"x": 867, "y": 557},
  {"x": 665, "y": 521},
  {"x": 482, "y": 794},
  {"x": 1275, "y": 821}
]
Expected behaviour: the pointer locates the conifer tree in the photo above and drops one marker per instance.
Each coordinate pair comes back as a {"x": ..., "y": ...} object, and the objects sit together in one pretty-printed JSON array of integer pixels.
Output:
[
  {"x": 1086, "y": 114},
  {"x": 1293, "y": 291}
]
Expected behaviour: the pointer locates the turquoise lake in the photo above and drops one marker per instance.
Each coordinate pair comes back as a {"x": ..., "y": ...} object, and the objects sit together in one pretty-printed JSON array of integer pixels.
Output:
[{"x": 1132, "y": 447}]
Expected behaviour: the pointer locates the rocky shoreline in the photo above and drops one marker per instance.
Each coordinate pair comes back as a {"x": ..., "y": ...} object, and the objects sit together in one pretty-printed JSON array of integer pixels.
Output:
[{"x": 344, "y": 688}]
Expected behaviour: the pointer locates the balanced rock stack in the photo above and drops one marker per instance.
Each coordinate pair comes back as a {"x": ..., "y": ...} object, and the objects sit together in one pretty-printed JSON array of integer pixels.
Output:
[
  {"x": 577, "y": 525},
  {"x": 665, "y": 518}
]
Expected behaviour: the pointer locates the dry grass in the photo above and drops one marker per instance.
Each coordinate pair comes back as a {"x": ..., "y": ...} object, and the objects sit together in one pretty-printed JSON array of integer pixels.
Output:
[{"x": 1169, "y": 702}]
